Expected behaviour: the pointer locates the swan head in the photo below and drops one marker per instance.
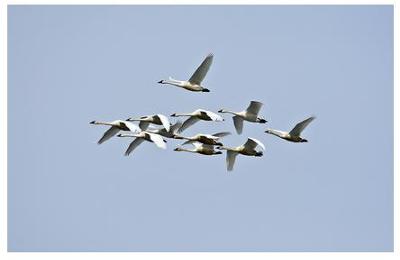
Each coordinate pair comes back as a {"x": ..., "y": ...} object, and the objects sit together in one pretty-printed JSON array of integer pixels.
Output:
[
  {"x": 161, "y": 82},
  {"x": 221, "y": 111},
  {"x": 262, "y": 120},
  {"x": 303, "y": 141},
  {"x": 174, "y": 115},
  {"x": 177, "y": 149},
  {"x": 258, "y": 154},
  {"x": 205, "y": 90},
  {"x": 218, "y": 152},
  {"x": 268, "y": 131},
  {"x": 92, "y": 122}
]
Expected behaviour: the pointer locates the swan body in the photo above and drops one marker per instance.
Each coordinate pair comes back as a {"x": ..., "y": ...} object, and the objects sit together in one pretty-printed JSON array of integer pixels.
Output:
[
  {"x": 294, "y": 134},
  {"x": 248, "y": 149},
  {"x": 250, "y": 115},
  {"x": 116, "y": 126},
  {"x": 194, "y": 83},
  {"x": 144, "y": 136},
  {"x": 195, "y": 116},
  {"x": 200, "y": 148},
  {"x": 153, "y": 119},
  {"x": 204, "y": 138}
]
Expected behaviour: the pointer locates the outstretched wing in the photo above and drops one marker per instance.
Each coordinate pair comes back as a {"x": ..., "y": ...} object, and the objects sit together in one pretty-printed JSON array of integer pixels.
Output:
[
  {"x": 296, "y": 131},
  {"x": 165, "y": 121},
  {"x": 175, "y": 127},
  {"x": 132, "y": 146},
  {"x": 158, "y": 140},
  {"x": 132, "y": 127},
  {"x": 108, "y": 134},
  {"x": 238, "y": 122},
  {"x": 210, "y": 115},
  {"x": 230, "y": 159},
  {"x": 189, "y": 122},
  {"x": 202, "y": 70},
  {"x": 252, "y": 144},
  {"x": 221, "y": 134},
  {"x": 143, "y": 125},
  {"x": 254, "y": 107}
]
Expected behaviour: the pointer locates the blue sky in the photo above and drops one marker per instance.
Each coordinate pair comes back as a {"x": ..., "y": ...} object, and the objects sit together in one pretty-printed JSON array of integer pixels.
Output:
[{"x": 69, "y": 65}]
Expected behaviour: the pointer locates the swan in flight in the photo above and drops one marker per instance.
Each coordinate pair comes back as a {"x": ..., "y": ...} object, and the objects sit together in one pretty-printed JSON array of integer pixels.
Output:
[
  {"x": 194, "y": 83},
  {"x": 200, "y": 148},
  {"x": 249, "y": 149},
  {"x": 250, "y": 114},
  {"x": 154, "y": 119},
  {"x": 204, "y": 139},
  {"x": 116, "y": 126},
  {"x": 144, "y": 136},
  {"x": 199, "y": 114},
  {"x": 173, "y": 130},
  {"x": 294, "y": 134}
]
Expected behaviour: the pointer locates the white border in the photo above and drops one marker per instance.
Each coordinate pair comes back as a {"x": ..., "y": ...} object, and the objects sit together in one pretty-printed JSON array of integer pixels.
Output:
[{"x": 3, "y": 139}]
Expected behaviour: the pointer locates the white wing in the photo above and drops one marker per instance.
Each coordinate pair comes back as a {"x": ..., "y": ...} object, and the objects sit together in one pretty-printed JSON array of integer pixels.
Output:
[
  {"x": 143, "y": 125},
  {"x": 221, "y": 134},
  {"x": 252, "y": 144},
  {"x": 254, "y": 107},
  {"x": 202, "y": 70},
  {"x": 296, "y": 131},
  {"x": 158, "y": 140},
  {"x": 165, "y": 122},
  {"x": 212, "y": 115},
  {"x": 238, "y": 122},
  {"x": 135, "y": 143},
  {"x": 189, "y": 122},
  {"x": 230, "y": 159},
  {"x": 108, "y": 134},
  {"x": 132, "y": 127},
  {"x": 175, "y": 127}
]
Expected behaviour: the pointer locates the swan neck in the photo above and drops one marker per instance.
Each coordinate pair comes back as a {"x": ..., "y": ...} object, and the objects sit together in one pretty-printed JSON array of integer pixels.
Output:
[{"x": 102, "y": 123}]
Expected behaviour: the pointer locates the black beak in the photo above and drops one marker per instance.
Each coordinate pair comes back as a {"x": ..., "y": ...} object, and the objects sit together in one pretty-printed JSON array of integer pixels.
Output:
[
  {"x": 174, "y": 114},
  {"x": 205, "y": 90},
  {"x": 92, "y": 122},
  {"x": 263, "y": 121},
  {"x": 160, "y": 82},
  {"x": 220, "y": 111}
]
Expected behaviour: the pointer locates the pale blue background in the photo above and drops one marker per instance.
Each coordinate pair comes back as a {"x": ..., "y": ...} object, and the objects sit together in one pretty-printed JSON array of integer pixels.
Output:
[{"x": 70, "y": 65}]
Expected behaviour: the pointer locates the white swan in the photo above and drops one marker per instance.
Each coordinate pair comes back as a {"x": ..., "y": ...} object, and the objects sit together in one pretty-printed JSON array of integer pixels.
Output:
[
  {"x": 204, "y": 149},
  {"x": 173, "y": 130},
  {"x": 154, "y": 119},
  {"x": 249, "y": 149},
  {"x": 194, "y": 83},
  {"x": 199, "y": 114},
  {"x": 144, "y": 136},
  {"x": 203, "y": 138},
  {"x": 250, "y": 114},
  {"x": 294, "y": 134},
  {"x": 116, "y": 126}
]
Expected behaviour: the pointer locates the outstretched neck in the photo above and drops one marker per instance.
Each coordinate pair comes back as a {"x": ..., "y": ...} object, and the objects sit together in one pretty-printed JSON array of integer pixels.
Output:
[
  {"x": 185, "y": 150},
  {"x": 101, "y": 123},
  {"x": 178, "y": 136},
  {"x": 172, "y": 81},
  {"x": 275, "y": 132},
  {"x": 226, "y": 148},
  {"x": 227, "y": 112},
  {"x": 181, "y": 114}
]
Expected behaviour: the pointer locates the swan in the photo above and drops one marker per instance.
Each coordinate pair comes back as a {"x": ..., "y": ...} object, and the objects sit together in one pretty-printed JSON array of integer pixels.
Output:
[
  {"x": 168, "y": 134},
  {"x": 194, "y": 83},
  {"x": 250, "y": 114},
  {"x": 144, "y": 136},
  {"x": 199, "y": 114},
  {"x": 200, "y": 148},
  {"x": 248, "y": 148},
  {"x": 154, "y": 119},
  {"x": 204, "y": 139},
  {"x": 294, "y": 134},
  {"x": 116, "y": 126}
]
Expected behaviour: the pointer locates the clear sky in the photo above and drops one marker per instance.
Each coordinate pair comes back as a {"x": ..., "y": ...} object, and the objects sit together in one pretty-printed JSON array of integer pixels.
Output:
[{"x": 69, "y": 65}]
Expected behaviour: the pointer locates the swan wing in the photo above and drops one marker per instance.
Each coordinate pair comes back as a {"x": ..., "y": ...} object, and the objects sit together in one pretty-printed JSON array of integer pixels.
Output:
[
  {"x": 165, "y": 121},
  {"x": 238, "y": 122},
  {"x": 296, "y": 131},
  {"x": 230, "y": 159},
  {"x": 213, "y": 116},
  {"x": 188, "y": 122},
  {"x": 132, "y": 127},
  {"x": 175, "y": 127},
  {"x": 252, "y": 143},
  {"x": 202, "y": 70},
  {"x": 254, "y": 107},
  {"x": 221, "y": 134},
  {"x": 108, "y": 134},
  {"x": 143, "y": 125},
  {"x": 158, "y": 140},
  {"x": 132, "y": 146}
]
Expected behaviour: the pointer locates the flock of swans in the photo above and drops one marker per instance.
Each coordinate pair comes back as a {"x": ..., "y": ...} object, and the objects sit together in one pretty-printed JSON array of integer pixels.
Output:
[{"x": 206, "y": 144}]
